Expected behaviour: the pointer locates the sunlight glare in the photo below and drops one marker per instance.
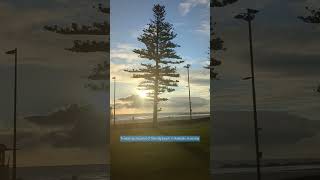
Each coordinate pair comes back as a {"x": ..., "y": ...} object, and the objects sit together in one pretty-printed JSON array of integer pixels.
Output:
[{"x": 142, "y": 94}]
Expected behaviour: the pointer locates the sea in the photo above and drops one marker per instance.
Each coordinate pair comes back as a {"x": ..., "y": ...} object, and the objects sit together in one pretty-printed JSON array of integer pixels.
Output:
[
  {"x": 83, "y": 172},
  {"x": 161, "y": 116},
  {"x": 101, "y": 171},
  {"x": 267, "y": 166}
]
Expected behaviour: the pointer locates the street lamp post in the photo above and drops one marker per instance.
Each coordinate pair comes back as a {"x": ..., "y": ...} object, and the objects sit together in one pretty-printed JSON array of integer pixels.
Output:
[
  {"x": 188, "y": 67},
  {"x": 114, "y": 100},
  {"x": 14, "y": 163},
  {"x": 249, "y": 16}
]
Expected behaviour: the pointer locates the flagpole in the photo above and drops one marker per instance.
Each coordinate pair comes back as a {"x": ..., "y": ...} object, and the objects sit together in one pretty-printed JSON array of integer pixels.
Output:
[{"x": 15, "y": 117}]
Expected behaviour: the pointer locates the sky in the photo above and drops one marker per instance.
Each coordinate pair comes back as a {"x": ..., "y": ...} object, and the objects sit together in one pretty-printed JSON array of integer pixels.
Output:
[
  {"x": 285, "y": 53},
  {"x": 190, "y": 20},
  {"x": 286, "y": 60},
  {"x": 50, "y": 79},
  {"x": 286, "y": 56}
]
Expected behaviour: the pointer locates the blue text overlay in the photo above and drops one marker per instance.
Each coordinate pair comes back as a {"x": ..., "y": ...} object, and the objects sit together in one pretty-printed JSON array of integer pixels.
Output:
[{"x": 159, "y": 138}]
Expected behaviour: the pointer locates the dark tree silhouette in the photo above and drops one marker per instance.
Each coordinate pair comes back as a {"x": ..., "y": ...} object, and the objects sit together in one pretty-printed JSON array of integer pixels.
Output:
[
  {"x": 159, "y": 50},
  {"x": 221, "y": 3},
  {"x": 318, "y": 89},
  {"x": 313, "y": 17},
  {"x": 100, "y": 73},
  {"x": 216, "y": 43}
]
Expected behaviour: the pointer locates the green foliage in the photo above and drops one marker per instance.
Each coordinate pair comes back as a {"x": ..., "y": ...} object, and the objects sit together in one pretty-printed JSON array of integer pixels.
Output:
[
  {"x": 100, "y": 72},
  {"x": 221, "y": 3},
  {"x": 89, "y": 46},
  {"x": 160, "y": 51},
  {"x": 216, "y": 43},
  {"x": 76, "y": 29},
  {"x": 313, "y": 18}
]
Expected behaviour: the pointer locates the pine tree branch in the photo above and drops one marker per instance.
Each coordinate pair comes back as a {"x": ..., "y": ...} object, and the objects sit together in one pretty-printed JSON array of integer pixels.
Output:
[
  {"x": 221, "y": 3},
  {"x": 100, "y": 72},
  {"x": 101, "y": 86},
  {"x": 313, "y": 18},
  {"x": 76, "y": 29},
  {"x": 89, "y": 46},
  {"x": 103, "y": 9}
]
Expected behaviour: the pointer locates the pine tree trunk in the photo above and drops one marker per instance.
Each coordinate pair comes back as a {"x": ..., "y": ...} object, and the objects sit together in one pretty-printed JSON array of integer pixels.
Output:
[
  {"x": 155, "y": 98},
  {"x": 156, "y": 83},
  {"x": 155, "y": 104}
]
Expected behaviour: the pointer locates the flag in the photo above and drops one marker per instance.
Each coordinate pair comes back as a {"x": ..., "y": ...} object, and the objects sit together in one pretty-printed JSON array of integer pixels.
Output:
[{"x": 12, "y": 51}]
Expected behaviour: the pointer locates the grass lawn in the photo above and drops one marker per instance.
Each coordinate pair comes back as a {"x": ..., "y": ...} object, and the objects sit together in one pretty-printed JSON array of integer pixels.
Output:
[{"x": 165, "y": 161}]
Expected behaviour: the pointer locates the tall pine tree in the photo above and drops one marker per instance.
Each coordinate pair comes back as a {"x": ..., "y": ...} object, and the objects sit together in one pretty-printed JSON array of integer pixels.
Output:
[{"x": 160, "y": 51}]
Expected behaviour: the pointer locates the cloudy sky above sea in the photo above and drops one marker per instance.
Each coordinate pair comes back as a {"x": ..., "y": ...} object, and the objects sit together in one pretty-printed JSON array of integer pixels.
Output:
[
  {"x": 286, "y": 55},
  {"x": 190, "y": 20},
  {"x": 49, "y": 80}
]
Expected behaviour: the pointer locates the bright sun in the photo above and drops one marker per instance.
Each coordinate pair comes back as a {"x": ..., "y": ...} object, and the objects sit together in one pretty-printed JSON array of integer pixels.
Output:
[{"x": 142, "y": 94}]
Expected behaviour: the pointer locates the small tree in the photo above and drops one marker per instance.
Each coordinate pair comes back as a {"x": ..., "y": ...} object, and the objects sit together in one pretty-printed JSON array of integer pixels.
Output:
[{"x": 159, "y": 50}]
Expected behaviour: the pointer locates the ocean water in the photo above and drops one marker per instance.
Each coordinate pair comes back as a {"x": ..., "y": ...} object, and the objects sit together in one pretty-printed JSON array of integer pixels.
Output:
[
  {"x": 166, "y": 116},
  {"x": 267, "y": 166},
  {"x": 101, "y": 172},
  {"x": 84, "y": 172}
]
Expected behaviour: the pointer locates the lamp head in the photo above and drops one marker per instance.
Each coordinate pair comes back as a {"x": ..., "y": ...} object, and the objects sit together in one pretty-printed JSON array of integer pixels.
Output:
[
  {"x": 248, "y": 16},
  {"x": 252, "y": 11}
]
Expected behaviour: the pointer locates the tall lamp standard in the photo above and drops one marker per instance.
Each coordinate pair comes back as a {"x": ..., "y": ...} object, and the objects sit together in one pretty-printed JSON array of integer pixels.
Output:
[
  {"x": 114, "y": 100},
  {"x": 249, "y": 16},
  {"x": 188, "y": 67},
  {"x": 14, "y": 163}
]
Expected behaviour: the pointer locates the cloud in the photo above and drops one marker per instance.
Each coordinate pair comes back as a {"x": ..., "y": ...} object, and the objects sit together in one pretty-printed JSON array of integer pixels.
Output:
[
  {"x": 134, "y": 101},
  {"x": 63, "y": 117},
  {"x": 233, "y": 136},
  {"x": 48, "y": 76},
  {"x": 197, "y": 102},
  {"x": 204, "y": 28},
  {"x": 174, "y": 104},
  {"x": 24, "y": 30},
  {"x": 123, "y": 52},
  {"x": 73, "y": 126},
  {"x": 186, "y": 6},
  {"x": 285, "y": 59}
]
